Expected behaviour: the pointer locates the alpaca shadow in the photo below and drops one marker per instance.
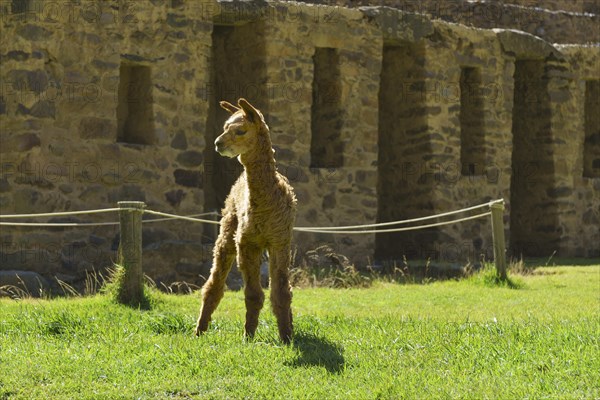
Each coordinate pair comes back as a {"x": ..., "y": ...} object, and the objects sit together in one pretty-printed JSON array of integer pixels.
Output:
[{"x": 316, "y": 351}]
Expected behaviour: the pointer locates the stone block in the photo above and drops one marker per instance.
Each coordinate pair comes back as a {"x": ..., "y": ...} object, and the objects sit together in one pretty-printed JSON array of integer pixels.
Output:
[
  {"x": 30, "y": 282},
  {"x": 96, "y": 128},
  {"x": 562, "y": 191},
  {"x": 105, "y": 65},
  {"x": 190, "y": 158},
  {"x": 20, "y": 143},
  {"x": 33, "y": 32},
  {"x": 35, "y": 81},
  {"x": 329, "y": 201},
  {"x": 127, "y": 193},
  {"x": 396, "y": 25},
  {"x": 179, "y": 141},
  {"x": 43, "y": 109},
  {"x": 525, "y": 45},
  {"x": 191, "y": 269},
  {"x": 153, "y": 236},
  {"x": 174, "y": 197},
  {"x": 34, "y": 180},
  {"x": 16, "y": 55},
  {"x": 187, "y": 178}
]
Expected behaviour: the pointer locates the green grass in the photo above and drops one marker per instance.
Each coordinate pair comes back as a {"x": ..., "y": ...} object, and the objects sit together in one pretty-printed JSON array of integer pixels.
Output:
[{"x": 453, "y": 339}]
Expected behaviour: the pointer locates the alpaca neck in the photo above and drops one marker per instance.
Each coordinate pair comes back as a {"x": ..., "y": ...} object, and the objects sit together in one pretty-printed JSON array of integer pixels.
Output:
[{"x": 259, "y": 165}]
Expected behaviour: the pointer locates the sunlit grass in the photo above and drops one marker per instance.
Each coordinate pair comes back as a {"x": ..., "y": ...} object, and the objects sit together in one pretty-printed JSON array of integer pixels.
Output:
[{"x": 452, "y": 339}]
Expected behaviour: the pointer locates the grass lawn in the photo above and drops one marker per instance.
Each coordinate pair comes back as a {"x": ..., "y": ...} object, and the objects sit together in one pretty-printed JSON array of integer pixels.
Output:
[{"x": 453, "y": 339}]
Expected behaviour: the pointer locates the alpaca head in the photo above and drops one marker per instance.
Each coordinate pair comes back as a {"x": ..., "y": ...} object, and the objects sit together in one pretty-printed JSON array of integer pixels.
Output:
[{"x": 244, "y": 132}]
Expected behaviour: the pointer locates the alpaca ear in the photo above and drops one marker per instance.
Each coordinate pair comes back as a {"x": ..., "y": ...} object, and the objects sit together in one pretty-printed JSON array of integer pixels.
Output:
[
  {"x": 228, "y": 106},
  {"x": 251, "y": 113}
]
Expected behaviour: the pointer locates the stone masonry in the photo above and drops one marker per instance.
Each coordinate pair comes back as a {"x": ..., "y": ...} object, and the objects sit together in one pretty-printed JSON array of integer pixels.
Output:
[{"x": 376, "y": 114}]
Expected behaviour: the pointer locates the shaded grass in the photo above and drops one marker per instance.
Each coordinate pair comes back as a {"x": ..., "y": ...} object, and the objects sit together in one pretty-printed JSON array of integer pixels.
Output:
[
  {"x": 329, "y": 276},
  {"x": 488, "y": 276},
  {"x": 116, "y": 288},
  {"x": 454, "y": 339}
]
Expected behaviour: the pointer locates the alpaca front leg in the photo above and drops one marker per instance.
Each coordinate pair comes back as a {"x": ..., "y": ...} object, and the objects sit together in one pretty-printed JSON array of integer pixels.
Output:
[
  {"x": 281, "y": 292},
  {"x": 249, "y": 264},
  {"x": 213, "y": 289}
]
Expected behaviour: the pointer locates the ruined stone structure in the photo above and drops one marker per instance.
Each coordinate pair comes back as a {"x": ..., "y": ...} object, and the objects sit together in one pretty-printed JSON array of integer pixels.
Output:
[{"x": 376, "y": 114}]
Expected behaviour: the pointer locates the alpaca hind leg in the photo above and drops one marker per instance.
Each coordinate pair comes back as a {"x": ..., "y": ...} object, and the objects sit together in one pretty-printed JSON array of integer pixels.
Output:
[
  {"x": 223, "y": 257},
  {"x": 281, "y": 293},
  {"x": 249, "y": 263}
]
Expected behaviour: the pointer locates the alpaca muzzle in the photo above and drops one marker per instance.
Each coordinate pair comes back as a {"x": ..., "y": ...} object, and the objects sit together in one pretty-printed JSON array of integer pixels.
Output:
[
  {"x": 223, "y": 149},
  {"x": 219, "y": 146}
]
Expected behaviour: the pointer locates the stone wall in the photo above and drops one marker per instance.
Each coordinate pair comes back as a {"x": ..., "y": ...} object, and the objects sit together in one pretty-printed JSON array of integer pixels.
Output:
[
  {"x": 578, "y": 6},
  {"x": 561, "y": 21},
  {"x": 60, "y": 73},
  {"x": 419, "y": 116},
  {"x": 403, "y": 127},
  {"x": 456, "y": 181},
  {"x": 337, "y": 195},
  {"x": 577, "y": 190}
]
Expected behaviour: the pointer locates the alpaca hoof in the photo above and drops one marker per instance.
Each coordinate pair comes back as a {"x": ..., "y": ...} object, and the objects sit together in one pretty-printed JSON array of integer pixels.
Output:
[
  {"x": 201, "y": 328},
  {"x": 286, "y": 339},
  {"x": 249, "y": 334},
  {"x": 286, "y": 336},
  {"x": 250, "y": 329}
]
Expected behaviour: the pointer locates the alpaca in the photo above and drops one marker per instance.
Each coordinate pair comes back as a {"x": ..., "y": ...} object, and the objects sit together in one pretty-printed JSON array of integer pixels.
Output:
[{"x": 259, "y": 214}]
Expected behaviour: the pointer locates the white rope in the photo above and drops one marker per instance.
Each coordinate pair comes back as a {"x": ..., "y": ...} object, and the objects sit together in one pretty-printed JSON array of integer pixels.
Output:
[
  {"x": 187, "y": 216},
  {"x": 338, "y": 229},
  {"x": 406, "y": 221},
  {"x": 62, "y": 214},
  {"x": 409, "y": 228},
  {"x": 58, "y": 223},
  {"x": 173, "y": 216}
]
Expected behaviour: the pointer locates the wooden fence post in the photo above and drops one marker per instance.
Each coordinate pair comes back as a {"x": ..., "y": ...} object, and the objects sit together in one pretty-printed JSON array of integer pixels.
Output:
[
  {"x": 131, "y": 286},
  {"x": 497, "y": 210}
]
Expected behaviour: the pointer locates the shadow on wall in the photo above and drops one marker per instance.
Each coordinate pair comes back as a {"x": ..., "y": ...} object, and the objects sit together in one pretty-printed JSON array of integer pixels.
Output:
[{"x": 246, "y": 77}]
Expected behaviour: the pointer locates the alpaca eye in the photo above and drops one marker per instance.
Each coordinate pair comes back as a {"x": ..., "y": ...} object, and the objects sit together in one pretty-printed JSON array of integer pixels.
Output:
[{"x": 240, "y": 132}]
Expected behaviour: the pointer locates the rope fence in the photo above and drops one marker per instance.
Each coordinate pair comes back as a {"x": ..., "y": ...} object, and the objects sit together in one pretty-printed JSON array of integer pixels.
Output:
[
  {"x": 60, "y": 214},
  {"x": 58, "y": 224},
  {"x": 71, "y": 224},
  {"x": 131, "y": 212},
  {"x": 348, "y": 229},
  {"x": 405, "y": 221},
  {"x": 173, "y": 216},
  {"x": 409, "y": 228}
]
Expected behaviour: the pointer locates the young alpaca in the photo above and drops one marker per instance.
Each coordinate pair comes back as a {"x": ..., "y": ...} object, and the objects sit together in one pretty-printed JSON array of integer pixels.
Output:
[{"x": 259, "y": 214}]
